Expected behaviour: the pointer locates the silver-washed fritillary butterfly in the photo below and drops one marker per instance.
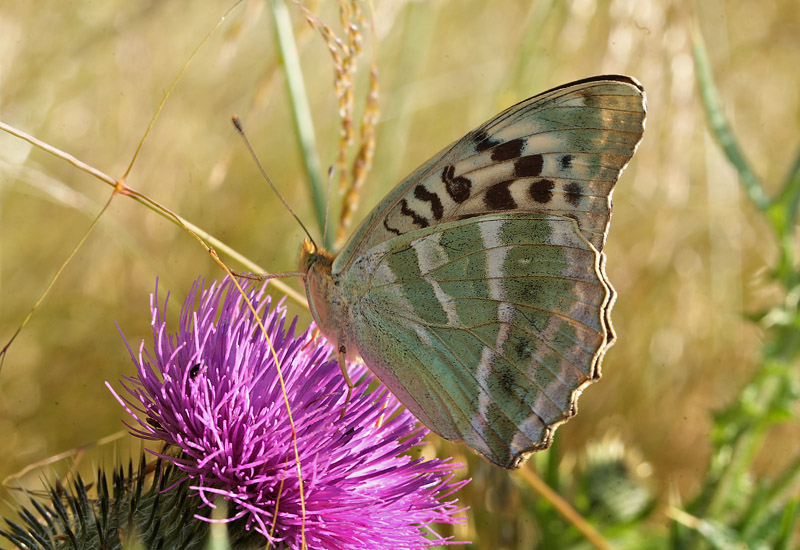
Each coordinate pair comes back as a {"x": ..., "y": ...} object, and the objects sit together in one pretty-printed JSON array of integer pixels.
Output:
[{"x": 476, "y": 290}]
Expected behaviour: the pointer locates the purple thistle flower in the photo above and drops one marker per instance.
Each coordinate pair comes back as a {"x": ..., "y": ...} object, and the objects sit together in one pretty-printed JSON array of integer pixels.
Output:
[{"x": 212, "y": 390}]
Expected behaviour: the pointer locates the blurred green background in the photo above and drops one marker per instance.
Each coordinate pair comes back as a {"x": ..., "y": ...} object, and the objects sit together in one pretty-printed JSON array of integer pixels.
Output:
[{"x": 687, "y": 253}]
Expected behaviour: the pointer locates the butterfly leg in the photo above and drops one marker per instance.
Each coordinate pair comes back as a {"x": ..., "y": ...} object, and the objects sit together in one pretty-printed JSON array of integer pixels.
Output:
[
  {"x": 313, "y": 339},
  {"x": 343, "y": 367}
]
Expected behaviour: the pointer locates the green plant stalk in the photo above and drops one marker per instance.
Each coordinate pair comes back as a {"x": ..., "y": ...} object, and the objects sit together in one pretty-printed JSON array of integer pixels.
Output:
[
  {"x": 784, "y": 215},
  {"x": 776, "y": 491},
  {"x": 790, "y": 193},
  {"x": 748, "y": 426},
  {"x": 743, "y": 449},
  {"x": 788, "y": 525},
  {"x": 715, "y": 495},
  {"x": 721, "y": 129},
  {"x": 301, "y": 111},
  {"x": 789, "y": 196},
  {"x": 743, "y": 446},
  {"x": 780, "y": 213}
]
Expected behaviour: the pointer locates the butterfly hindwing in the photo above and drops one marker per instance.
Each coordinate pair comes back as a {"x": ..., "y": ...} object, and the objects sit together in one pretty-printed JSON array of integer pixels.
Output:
[
  {"x": 484, "y": 328},
  {"x": 561, "y": 151}
]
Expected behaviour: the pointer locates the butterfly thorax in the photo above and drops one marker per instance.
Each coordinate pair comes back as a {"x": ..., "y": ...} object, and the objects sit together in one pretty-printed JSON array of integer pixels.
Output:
[{"x": 325, "y": 301}]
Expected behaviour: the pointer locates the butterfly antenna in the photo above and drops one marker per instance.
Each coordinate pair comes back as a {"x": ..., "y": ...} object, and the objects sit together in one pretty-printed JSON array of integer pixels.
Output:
[
  {"x": 239, "y": 128},
  {"x": 327, "y": 206}
]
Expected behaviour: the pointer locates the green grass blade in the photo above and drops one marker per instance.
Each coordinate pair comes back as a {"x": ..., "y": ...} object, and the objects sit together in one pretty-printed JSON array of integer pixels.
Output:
[
  {"x": 720, "y": 127},
  {"x": 789, "y": 197},
  {"x": 788, "y": 530},
  {"x": 301, "y": 111}
]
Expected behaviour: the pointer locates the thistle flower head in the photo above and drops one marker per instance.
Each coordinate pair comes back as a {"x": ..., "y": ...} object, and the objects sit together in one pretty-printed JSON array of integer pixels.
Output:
[{"x": 211, "y": 389}]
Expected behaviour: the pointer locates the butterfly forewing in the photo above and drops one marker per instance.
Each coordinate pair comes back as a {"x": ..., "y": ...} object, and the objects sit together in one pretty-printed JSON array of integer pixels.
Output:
[
  {"x": 476, "y": 290},
  {"x": 561, "y": 151}
]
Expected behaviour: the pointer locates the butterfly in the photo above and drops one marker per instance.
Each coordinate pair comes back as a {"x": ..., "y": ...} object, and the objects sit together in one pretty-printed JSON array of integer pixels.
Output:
[{"x": 476, "y": 290}]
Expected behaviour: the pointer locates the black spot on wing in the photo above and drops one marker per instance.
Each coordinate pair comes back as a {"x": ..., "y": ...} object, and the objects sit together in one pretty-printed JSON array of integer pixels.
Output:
[
  {"x": 389, "y": 228},
  {"x": 482, "y": 141},
  {"x": 498, "y": 196},
  {"x": 522, "y": 349},
  {"x": 508, "y": 150},
  {"x": 541, "y": 191},
  {"x": 422, "y": 193},
  {"x": 415, "y": 217},
  {"x": 458, "y": 187},
  {"x": 573, "y": 192},
  {"x": 566, "y": 162},
  {"x": 528, "y": 167}
]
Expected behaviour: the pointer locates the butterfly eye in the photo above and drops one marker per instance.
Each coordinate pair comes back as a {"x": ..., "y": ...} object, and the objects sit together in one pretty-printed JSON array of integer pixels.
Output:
[
  {"x": 194, "y": 371},
  {"x": 308, "y": 255}
]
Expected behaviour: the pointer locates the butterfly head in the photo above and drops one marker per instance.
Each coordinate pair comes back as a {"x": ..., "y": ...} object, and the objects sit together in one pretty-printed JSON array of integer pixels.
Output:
[{"x": 311, "y": 256}]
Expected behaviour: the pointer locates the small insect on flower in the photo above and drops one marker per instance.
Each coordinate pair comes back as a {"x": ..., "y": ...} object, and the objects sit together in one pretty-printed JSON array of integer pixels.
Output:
[{"x": 211, "y": 390}]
